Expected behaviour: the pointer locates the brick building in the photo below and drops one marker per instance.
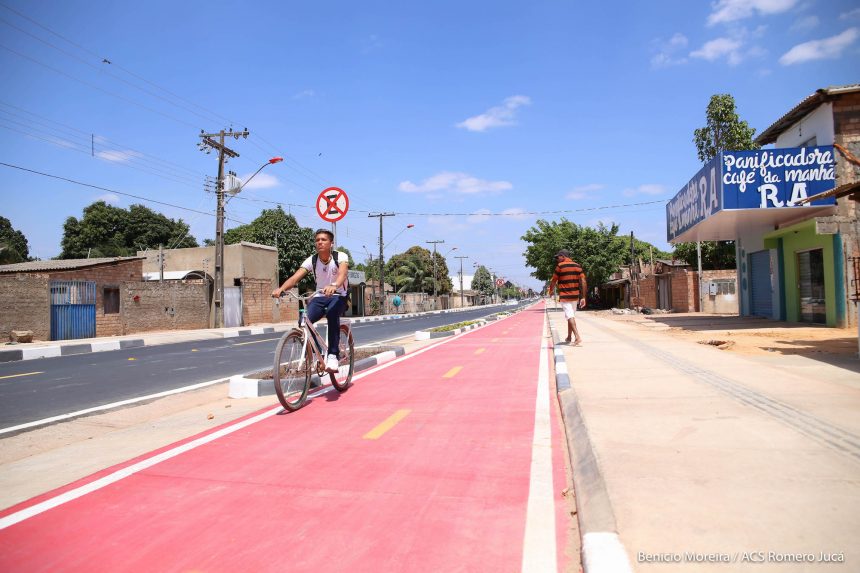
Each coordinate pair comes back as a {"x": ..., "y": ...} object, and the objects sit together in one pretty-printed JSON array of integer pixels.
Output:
[{"x": 84, "y": 298}]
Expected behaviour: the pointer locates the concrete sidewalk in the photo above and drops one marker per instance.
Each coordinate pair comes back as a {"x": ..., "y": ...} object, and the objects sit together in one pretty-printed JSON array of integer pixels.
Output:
[{"x": 703, "y": 460}]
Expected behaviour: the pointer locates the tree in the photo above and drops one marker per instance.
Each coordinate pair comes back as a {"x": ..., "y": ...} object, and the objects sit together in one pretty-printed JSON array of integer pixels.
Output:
[
  {"x": 274, "y": 226},
  {"x": 483, "y": 281},
  {"x": 411, "y": 270},
  {"x": 14, "y": 247},
  {"x": 724, "y": 130},
  {"x": 716, "y": 255},
  {"x": 600, "y": 251},
  {"x": 108, "y": 231}
]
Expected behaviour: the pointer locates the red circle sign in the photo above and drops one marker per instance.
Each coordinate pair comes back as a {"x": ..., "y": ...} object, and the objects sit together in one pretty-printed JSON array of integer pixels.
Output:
[{"x": 332, "y": 204}]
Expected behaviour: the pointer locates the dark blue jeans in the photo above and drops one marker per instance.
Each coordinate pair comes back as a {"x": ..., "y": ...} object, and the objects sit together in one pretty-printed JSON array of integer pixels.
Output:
[{"x": 331, "y": 307}]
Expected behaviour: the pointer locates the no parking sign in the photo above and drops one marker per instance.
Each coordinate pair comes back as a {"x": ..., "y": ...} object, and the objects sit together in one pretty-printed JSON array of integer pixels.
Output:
[{"x": 332, "y": 204}]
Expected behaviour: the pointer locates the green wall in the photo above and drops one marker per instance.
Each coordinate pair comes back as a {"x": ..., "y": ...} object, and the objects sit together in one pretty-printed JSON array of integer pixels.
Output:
[{"x": 802, "y": 237}]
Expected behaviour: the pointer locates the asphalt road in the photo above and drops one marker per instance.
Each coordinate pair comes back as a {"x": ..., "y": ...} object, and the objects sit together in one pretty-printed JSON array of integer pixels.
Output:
[{"x": 33, "y": 390}]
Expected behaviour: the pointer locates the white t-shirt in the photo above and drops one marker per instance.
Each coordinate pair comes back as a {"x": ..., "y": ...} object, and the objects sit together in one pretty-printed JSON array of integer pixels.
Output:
[{"x": 326, "y": 273}]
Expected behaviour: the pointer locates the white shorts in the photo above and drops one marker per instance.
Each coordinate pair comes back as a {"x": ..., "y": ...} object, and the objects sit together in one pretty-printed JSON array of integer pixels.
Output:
[{"x": 569, "y": 309}]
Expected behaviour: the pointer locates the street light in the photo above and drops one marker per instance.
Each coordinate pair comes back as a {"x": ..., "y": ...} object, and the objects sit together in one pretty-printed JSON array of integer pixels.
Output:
[
  {"x": 409, "y": 226},
  {"x": 271, "y": 161}
]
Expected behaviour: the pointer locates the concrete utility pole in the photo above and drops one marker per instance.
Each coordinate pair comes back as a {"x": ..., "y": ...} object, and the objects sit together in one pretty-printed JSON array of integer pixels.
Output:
[
  {"x": 434, "y": 243},
  {"x": 224, "y": 153},
  {"x": 381, "y": 258},
  {"x": 462, "y": 303}
]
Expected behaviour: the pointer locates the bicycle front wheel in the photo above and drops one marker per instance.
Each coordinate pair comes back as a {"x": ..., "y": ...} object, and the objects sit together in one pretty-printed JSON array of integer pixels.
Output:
[
  {"x": 292, "y": 371},
  {"x": 341, "y": 379}
]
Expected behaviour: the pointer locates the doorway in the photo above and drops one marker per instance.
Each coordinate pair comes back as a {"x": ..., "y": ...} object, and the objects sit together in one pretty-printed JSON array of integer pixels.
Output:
[{"x": 810, "y": 286}]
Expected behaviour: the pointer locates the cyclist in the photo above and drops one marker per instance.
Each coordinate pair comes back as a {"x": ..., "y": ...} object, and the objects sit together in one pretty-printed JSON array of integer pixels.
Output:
[{"x": 330, "y": 299}]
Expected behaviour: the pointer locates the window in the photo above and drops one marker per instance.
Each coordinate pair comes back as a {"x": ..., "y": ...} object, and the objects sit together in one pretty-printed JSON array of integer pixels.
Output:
[
  {"x": 810, "y": 142},
  {"x": 111, "y": 300}
]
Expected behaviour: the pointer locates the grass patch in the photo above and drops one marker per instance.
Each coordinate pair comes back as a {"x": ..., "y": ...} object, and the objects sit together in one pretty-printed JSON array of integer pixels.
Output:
[{"x": 453, "y": 326}]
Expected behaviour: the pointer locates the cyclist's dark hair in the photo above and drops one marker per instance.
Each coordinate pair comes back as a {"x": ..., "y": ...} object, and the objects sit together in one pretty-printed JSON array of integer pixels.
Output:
[{"x": 327, "y": 232}]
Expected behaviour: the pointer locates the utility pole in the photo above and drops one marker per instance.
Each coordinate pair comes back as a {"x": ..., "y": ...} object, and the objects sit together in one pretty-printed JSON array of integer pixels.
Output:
[
  {"x": 381, "y": 259},
  {"x": 462, "y": 303},
  {"x": 434, "y": 243},
  {"x": 224, "y": 153},
  {"x": 372, "y": 285}
]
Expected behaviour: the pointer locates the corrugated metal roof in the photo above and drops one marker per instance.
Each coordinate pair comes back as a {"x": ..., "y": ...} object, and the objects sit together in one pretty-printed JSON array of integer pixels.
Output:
[
  {"x": 61, "y": 264},
  {"x": 799, "y": 111}
]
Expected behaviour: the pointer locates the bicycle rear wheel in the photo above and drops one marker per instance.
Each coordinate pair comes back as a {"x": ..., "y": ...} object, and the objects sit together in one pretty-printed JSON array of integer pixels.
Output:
[
  {"x": 292, "y": 371},
  {"x": 341, "y": 379}
]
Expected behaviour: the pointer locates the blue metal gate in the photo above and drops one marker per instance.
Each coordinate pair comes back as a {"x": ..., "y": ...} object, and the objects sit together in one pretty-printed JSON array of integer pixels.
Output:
[
  {"x": 73, "y": 310},
  {"x": 761, "y": 299}
]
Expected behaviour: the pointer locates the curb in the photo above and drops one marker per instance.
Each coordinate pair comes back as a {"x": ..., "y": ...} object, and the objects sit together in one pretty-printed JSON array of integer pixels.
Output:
[
  {"x": 602, "y": 550},
  {"x": 427, "y": 334},
  {"x": 242, "y": 387},
  {"x": 102, "y": 346}
]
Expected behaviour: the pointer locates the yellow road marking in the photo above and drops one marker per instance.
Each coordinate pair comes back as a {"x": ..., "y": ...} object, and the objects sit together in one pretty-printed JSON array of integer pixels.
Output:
[
  {"x": 193, "y": 350},
  {"x": 480, "y": 350},
  {"x": 452, "y": 372},
  {"x": 255, "y": 341},
  {"x": 132, "y": 358},
  {"x": 389, "y": 423},
  {"x": 17, "y": 375}
]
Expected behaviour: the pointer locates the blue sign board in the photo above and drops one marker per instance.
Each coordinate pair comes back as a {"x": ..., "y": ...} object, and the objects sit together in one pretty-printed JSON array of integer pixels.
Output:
[{"x": 762, "y": 179}]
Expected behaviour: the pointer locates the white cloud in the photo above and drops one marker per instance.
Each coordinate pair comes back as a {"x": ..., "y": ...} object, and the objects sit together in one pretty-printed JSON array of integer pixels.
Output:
[
  {"x": 261, "y": 181},
  {"x": 732, "y": 10},
  {"x": 117, "y": 156},
  {"x": 850, "y": 15},
  {"x": 805, "y": 24},
  {"x": 646, "y": 189},
  {"x": 667, "y": 52},
  {"x": 728, "y": 48},
  {"x": 498, "y": 116},
  {"x": 109, "y": 198},
  {"x": 582, "y": 191},
  {"x": 828, "y": 48},
  {"x": 462, "y": 183},
  {"x": 305, "y": 94}
]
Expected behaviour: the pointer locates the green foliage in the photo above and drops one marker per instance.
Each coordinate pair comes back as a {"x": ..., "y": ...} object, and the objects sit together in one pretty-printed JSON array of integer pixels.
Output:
[
  {"x": 719, "y": 255},
  {"x": 724, "y": 130},
  {"x": 482, "y": 282},
  {"x": 449, "y": 327},
  {"x": 295, "y": 243},
  {"x": 108, "y": 231},
  {"x": 13, "y": 244},
  {"x": 412, "y": 271},
  {"x": 600, "y": 251}
]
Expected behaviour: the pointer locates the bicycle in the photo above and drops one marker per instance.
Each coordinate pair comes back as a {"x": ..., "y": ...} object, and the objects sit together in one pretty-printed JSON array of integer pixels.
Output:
[{"x": 301, "y": 353}]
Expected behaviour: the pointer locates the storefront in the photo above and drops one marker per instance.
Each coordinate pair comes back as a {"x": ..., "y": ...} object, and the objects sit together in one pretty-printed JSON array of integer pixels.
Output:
[{"x": 786, "y": 270}]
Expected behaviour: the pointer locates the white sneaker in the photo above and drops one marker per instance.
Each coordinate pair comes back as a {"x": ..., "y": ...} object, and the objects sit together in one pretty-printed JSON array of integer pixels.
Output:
[{"x": 331, "y": 363}]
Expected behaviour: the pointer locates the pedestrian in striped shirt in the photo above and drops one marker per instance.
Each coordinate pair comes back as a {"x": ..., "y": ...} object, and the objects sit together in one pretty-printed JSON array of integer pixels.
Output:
[{"x": 572, "y": 290}]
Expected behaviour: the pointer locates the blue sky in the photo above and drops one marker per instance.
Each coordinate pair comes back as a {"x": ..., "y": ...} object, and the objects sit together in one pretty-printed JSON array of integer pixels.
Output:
[{"x": 465, "y": 118}]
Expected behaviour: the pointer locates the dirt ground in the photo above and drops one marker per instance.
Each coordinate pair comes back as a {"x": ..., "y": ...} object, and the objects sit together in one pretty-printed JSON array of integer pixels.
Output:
[{"x": 749, "y": 335}]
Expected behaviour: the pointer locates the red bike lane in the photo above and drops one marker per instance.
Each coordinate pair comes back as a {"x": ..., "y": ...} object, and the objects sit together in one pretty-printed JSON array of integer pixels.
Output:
[{"x": 429, "y": 463}]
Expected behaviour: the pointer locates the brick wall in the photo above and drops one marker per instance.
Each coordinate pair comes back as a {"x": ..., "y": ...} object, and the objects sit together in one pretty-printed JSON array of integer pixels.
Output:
[
  {"x": 257, "y": 301},
  {"x": 107, "y": 275},
  {"x": 25, "y": 305},
  {"x": 685, "y": 291},
  {"x": 163, "y": 306},
  {"x": 648, "y": 291}
]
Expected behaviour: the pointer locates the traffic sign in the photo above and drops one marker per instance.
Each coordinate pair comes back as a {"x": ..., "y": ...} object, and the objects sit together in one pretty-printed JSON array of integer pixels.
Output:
[
  {"x": 332, "y": 204},
  {"x": 500, "y": 282}
]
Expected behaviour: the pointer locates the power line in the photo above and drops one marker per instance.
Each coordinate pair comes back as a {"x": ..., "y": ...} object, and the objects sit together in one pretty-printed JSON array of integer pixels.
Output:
[{"x": 81, "y": 183}]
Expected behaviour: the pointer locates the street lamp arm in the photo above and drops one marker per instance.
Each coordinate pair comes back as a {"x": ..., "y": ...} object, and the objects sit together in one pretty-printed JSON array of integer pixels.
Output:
[{"x": 271, "y": 161}]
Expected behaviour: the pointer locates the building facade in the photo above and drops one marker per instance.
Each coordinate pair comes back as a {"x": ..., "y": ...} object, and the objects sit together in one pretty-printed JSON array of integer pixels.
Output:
[{"x": 795, "y": 238}]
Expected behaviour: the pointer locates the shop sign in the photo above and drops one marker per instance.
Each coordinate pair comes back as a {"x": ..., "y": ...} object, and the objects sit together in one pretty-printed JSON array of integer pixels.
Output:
[{"x": 761, "y": 179}]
